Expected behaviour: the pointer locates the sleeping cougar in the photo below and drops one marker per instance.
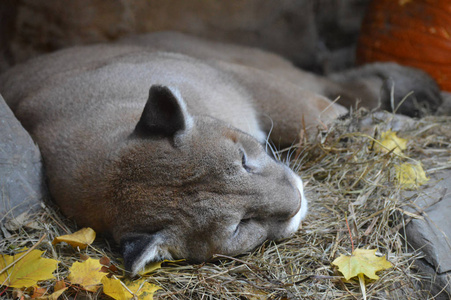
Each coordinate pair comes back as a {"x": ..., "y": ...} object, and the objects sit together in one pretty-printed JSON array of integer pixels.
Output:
[{"x": 157, "y": 140}]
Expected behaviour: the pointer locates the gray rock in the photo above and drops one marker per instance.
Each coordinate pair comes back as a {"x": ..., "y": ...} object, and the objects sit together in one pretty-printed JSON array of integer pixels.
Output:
[
  {"x": 21, "y": 173},
  {"x": 433, "y": 283},
  {"x": 432, "y": 233}
]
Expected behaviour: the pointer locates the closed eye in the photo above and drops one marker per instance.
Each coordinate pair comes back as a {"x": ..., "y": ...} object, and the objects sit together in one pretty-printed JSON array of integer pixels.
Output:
[
  {"x": 244, "y": 161},
  {"x": 242, "y": 223}
]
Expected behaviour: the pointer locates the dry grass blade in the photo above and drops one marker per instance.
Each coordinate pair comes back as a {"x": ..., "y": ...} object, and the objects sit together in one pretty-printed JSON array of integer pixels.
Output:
[{"x": 344, "y": 177}]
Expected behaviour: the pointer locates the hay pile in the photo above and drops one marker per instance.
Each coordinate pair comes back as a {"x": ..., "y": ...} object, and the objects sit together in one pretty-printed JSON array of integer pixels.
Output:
[{"x": 344, "y": 179}]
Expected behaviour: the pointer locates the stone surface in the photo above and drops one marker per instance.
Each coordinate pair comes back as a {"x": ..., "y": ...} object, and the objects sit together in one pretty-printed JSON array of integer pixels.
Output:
[
  {"x": 436, "y": 284},
  {"x": 432, "y": 234},
  {"x": 21, "y": 174},
  {"x": 429, "y": 234}
]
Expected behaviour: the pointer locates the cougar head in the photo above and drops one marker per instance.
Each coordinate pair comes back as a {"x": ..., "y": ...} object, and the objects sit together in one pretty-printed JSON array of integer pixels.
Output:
[{"x": 190, "y": 186}]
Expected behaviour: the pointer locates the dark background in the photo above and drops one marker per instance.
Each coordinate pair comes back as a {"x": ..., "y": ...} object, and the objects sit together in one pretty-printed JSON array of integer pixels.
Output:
[{"x": 318, "y": 35}]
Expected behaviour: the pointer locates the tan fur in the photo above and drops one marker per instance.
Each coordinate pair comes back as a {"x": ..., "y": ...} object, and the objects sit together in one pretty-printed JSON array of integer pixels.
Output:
[{"x": 192, "y": 180}]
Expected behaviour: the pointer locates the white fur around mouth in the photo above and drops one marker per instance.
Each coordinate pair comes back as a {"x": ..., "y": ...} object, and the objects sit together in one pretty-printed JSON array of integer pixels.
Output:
[{"x": 295, "y": 221}]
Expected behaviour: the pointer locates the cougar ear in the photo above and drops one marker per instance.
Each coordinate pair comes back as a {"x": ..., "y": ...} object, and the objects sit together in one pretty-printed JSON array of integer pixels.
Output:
[
  {"x": 140, "y": 249},
  {"x": 164, "y": 114}
]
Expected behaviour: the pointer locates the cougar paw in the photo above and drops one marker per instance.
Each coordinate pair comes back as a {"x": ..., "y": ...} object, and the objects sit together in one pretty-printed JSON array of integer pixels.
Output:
[{"x": 396, "y": 88}]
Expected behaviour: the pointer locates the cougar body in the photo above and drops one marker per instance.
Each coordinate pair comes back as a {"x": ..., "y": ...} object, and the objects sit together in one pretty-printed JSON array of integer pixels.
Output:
[{"x": 159, "y": 140}]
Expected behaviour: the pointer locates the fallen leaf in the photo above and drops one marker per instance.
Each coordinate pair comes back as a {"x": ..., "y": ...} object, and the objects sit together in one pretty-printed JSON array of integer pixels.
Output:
[
  {"x": 81, "y": 238},
  {"x": 38, "y": 292},
  {"x": 22, "y": 220},
  {"x": 150, "y": 268},
  {"x": 26, "y": 272},
  {"x": 87, "y": 274},
  {"x": 107, "y": 266},
  {"x": 55, "y": 295},
  {"x": 361, "y": 262},
  {"x": 141, "y": 288},
  {"x": 389, "y": 141},
  {"x": 113, "y": 288},
  {"x": 105, "y": 261},
  {"x": 84, "y": 257},
  {"x": 59, "y": 285},
  {"x": 410, "y": 176}
]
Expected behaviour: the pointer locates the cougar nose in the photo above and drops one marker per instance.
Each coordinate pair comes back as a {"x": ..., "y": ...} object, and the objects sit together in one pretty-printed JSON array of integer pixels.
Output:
[
  {"x": 298, "y": 206},
  {"x": 301, "y": 211},
  {"x": 303, "y": 200}
]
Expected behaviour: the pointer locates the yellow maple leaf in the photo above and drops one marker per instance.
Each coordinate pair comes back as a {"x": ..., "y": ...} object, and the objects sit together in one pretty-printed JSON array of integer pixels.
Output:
[
  {"x": 81, "y": 238},
  {"x": 150, "y": 267},
  {"x": 55, "y": 295},
  {"x": 389, "y": 141},
  {"x": 87, "y": 274},
  {"x": 113, "y": 288},
  {"x": 143, "y": 289},
  {"x": 27, "y": 271},
  {"x": 361, "y": 262},
  {"x": 410, "y": 176},
  {"x": 140, "y": 288},
  {"x": 59, "y": 289}
]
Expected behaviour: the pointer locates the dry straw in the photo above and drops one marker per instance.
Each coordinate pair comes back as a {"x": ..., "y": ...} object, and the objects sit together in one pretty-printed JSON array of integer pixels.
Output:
[{"x": 344, "y": 178}]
